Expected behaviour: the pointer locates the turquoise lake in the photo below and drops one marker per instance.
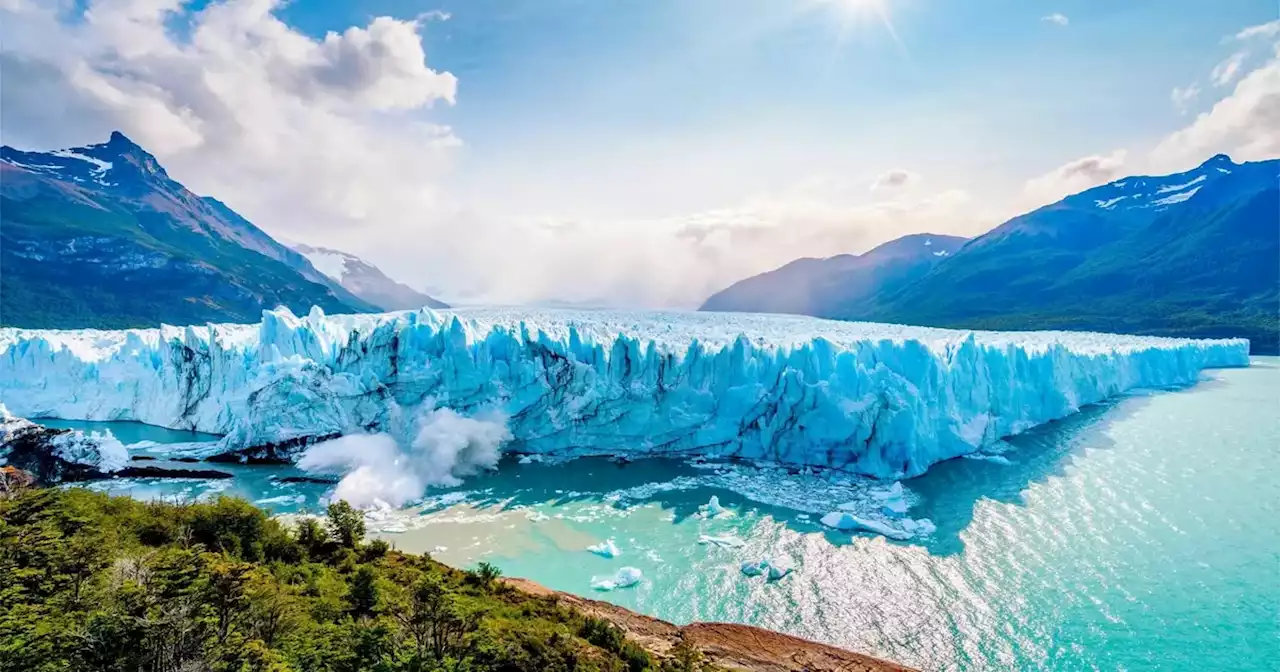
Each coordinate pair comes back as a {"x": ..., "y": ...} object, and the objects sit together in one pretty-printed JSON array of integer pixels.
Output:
[{"x": 1143, "y": 534}]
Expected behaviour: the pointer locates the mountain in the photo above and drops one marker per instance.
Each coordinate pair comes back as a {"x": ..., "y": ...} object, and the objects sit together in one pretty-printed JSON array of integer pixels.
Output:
[
  {"x": 1189, "y": 254},
  {"x": 365, "y": 280},
  {"x": 846, "y": 285},
  {"x": 101, "y": 236}
]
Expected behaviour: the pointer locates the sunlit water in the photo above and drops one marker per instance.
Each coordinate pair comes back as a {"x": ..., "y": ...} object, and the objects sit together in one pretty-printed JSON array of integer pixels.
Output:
[{"x": 1137, "y": 535}]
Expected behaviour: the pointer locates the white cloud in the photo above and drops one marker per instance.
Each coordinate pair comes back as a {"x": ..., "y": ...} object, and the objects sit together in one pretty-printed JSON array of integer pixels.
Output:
[
  {"x": 894, "y": 179},
  {"x": 678, "y": 261},
  {"x": 323, "y": 140},
  {"x": 1184, "y": 96},
  {"x": 1245, "y": 124},
  {"x": 1075, "y": 176},
  {"x": 1224, "y": 72},
  {"x": 328, "y": 141},
  {"x": 1057, "y": 18},
  {"x": 1264, "y": 30}
]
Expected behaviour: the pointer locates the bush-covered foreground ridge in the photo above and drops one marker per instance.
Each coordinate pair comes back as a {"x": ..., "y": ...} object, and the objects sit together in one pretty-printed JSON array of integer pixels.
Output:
[{"x": 92, "y": 582}]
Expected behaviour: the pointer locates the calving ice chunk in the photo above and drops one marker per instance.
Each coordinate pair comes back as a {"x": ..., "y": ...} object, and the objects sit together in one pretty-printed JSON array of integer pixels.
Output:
[{"x": 882, "y": 400}]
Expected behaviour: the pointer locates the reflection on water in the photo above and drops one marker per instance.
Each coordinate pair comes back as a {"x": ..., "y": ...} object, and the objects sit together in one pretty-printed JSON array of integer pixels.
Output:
[{"x": 1136, "y": 535}]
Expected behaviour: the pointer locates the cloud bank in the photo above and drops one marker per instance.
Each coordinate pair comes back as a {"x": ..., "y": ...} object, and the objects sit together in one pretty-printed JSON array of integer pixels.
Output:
[{"x": 334, "y": 140}]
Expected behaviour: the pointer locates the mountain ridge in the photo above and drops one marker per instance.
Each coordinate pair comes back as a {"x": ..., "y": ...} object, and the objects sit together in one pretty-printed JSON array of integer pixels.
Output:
[
  {"x": 364, "y": 279},
  {"x": 101, "y": 236},
  {"x": 828, "y": 286},
  {"x": 1195, "y": 253}
]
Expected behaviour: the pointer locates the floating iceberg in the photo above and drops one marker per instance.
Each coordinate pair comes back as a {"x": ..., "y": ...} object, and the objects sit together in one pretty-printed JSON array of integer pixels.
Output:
[
  {"x": 775, "y": 569},
  {"x": 624, "y": 578},
  {"x": 712, "y": 508},
  {"x": 881, "y": 400},
  {"x": 893, "y": 501},
  {"x": 727, "y": 541},
  {"x": 605, "y": 549},
  {"x": 894, "y": 528},
  {"x": 778, "y": 568}
]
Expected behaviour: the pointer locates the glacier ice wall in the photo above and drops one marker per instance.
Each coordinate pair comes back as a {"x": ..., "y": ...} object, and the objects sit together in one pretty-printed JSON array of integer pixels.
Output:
[{"x": 881, "y": 400}]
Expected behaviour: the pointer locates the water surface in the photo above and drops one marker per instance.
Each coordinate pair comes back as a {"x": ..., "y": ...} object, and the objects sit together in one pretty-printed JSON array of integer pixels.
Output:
[{"x": 1137, "y": 535}]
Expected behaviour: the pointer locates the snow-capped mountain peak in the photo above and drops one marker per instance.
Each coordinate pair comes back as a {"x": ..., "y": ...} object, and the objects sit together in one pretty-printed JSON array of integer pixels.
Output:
[
  {"x": 330, "y": 262},
  {"x": 116, "y": 163},
  {"x": 364, "y": 279},
  {"x": 1157, "y": 192}
]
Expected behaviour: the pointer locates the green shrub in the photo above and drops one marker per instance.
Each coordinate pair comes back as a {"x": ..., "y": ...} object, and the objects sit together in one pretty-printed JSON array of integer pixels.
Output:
[{"x": 91, "y": 582}]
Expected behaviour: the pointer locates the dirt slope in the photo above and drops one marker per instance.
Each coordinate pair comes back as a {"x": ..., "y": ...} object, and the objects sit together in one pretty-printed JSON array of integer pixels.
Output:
[{"x": 737, "y": 647}]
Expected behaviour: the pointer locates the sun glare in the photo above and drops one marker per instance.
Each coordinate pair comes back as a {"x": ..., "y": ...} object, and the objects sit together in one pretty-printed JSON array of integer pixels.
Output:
[{"x": 853, "y": 13}]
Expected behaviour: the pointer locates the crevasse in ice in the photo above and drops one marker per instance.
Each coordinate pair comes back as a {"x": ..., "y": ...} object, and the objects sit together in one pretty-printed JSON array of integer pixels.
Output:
[{"x": 880, "y": 400}]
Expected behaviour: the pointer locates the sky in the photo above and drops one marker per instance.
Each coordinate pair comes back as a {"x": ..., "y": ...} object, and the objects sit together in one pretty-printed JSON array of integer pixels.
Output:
[{"x": 640, "y": 153}]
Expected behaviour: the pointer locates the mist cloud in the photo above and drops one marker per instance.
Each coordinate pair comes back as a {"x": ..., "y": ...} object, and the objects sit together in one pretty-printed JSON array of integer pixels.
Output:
[{"x": 438, "y": 448}]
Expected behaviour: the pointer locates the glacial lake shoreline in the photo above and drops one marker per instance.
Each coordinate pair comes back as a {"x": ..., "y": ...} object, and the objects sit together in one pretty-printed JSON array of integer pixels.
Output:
[{"x": 1097, "y": 542}]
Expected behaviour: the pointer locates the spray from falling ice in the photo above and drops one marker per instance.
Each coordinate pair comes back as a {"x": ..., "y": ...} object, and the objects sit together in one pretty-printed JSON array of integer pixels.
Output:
[{"x": 436, "y": 448}]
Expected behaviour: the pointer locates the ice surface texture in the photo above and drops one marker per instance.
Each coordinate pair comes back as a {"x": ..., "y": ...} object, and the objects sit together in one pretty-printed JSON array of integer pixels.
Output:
[{"x": 880, "y": 400}]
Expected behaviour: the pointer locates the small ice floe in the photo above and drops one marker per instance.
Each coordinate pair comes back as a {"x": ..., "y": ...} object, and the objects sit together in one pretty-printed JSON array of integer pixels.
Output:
[
  {"x": 623, "y": 578},
  {"x": 893, "y": 500},
  {"x": 605, "y": 549},
  {"x": 537, "y": 516},
  {"x": 712, "y": 508},
  {"x": 847, "y": 522},
  {"x": 139, "y": 445},
  {"x": 726, "y": 541},
  {"x": 774, "y": 569},
  {"x": 899, "y": 528},
  {"x": 530, "y": 459},
  {"x": 778, "y": 568},
  {"x": 802, "y": 516},
  {"x": 998, "y": 459},
  {"x": 282, "y": 499}
]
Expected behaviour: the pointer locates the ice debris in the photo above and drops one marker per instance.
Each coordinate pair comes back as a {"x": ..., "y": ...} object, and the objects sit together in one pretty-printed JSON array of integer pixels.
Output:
[
  {"x": 726, "y": 541},
  {"x": 778, "y": 568},
  {"x": 712, "y": 508},
  {"x": 892, "y": 500},
  {"x": 901, "y": 529},
  {"x": 775, "y": 568},
  {"x": 623, "y": 578},
  {"x": 605, "y": 549}
]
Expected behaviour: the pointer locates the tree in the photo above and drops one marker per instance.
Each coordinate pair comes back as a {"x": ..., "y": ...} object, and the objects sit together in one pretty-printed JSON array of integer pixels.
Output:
[
  {"x": 484, "y": 575},
  {"x": 272, "y": 610},
  {"x": 312, "y": 537},
  {"x": 346, "y": 525},
  {"x": 432, "y": 618},
  {"x": 362, "y": 596},
  {"x": 226, "y": 592}
]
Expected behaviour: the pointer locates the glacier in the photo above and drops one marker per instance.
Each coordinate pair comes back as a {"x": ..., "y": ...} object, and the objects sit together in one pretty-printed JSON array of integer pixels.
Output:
[{"x": 885, "y": 401}]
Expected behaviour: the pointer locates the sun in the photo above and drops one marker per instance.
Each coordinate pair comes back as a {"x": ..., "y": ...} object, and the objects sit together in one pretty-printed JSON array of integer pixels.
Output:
[
  {"x": 853, "y": 13},
  {"x": 856, "y": 8}
]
